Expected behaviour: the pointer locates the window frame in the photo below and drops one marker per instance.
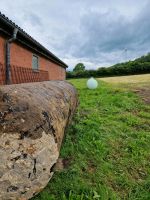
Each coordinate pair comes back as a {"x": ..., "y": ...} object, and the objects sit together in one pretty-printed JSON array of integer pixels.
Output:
[{"x": 35, "y": 69}]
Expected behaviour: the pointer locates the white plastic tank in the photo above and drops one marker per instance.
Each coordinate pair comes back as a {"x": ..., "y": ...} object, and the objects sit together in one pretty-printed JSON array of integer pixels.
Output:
[{"x": 92, "y": 83}]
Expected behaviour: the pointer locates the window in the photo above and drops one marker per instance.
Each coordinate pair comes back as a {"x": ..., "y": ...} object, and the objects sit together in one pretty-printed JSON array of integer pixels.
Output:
[{"x": 35, "y": 62}]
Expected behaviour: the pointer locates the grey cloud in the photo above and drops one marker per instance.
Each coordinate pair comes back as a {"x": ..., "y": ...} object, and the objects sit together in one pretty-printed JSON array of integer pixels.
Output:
[
  {"x": 111, "y": 32},
  {"x": 33, "y": 19},
  {"x": 95, "y": 32}
]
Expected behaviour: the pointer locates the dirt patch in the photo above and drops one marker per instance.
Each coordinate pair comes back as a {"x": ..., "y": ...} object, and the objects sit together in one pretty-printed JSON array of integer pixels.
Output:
[
  {"x": 62, "y": 163},
  {"x": 91, "y": 167},
  {"x": 144, "y": 93}
]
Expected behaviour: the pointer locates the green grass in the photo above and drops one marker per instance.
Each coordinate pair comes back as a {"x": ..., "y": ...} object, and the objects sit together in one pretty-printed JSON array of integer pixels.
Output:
[{"x": 108, "y": 145}]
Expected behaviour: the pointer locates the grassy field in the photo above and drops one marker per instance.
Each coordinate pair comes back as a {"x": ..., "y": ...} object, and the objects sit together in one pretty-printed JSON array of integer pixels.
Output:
[
  {"x": 140, "y": 79},
  {"x": 107, "y": 146},
  {"x": 133, "y": 81}
]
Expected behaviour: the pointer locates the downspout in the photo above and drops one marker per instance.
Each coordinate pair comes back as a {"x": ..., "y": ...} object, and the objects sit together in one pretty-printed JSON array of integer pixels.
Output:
[{"x": 8, "y": 42}]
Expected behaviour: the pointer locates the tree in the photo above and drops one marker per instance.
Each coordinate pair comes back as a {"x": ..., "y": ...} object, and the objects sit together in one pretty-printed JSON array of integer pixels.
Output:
[
  {"x": 138, "y": 66},
  {"x": 79, "y": 68}
]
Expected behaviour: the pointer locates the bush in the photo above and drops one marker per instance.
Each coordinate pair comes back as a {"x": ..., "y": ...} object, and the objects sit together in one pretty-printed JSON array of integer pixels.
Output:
[{"x": 138, "y": 66}]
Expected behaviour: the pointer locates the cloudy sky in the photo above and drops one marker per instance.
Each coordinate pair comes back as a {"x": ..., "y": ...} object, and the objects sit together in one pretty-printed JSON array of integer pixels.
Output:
[{"x": 96, "y": 32}]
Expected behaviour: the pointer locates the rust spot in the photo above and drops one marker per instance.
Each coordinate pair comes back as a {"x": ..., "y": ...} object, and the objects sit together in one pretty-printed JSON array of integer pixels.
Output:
[{"x": 31, "y": 149}]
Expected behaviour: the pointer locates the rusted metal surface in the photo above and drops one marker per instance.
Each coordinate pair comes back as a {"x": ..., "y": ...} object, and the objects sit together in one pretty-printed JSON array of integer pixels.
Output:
[{"x": 33, "y": 119}]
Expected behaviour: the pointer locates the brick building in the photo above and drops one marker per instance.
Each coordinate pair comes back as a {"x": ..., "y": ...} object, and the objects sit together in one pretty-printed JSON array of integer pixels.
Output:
[{"x": 23, "y": 59}]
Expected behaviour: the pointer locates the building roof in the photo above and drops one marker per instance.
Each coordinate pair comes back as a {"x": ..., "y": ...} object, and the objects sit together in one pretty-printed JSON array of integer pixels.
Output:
[{"x": 7, "y": 27}]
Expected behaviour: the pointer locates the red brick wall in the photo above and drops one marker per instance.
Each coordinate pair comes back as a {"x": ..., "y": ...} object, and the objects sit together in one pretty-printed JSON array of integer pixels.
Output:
[
  {"x": 2, "y": 50},
  {"x": 22, "y": 57},
  {"x": 55, "y": 71}
]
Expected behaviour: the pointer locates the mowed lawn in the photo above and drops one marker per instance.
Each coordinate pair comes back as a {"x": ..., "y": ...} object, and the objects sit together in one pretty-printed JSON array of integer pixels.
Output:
[{"x": 106, "y": 151}]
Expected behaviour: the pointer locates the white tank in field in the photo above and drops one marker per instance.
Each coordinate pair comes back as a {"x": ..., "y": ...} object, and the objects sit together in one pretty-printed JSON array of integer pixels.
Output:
[{"x": 92, "y": 83}]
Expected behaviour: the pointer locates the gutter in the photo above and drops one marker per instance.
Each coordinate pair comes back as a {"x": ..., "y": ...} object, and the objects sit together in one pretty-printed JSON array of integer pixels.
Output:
[
  {"x": 33, "y": 49},
  {"x": 3, "y": 31},
  {"x": 22, "y": 33},
  {"x": 8, "y": 43}
]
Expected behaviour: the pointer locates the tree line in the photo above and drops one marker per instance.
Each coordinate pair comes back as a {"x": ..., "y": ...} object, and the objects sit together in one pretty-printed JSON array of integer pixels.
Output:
[{"x": 138, "y": 66}]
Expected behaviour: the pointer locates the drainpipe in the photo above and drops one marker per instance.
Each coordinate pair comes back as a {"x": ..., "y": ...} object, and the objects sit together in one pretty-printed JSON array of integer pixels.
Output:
[{"x": 8, "y": 42}]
